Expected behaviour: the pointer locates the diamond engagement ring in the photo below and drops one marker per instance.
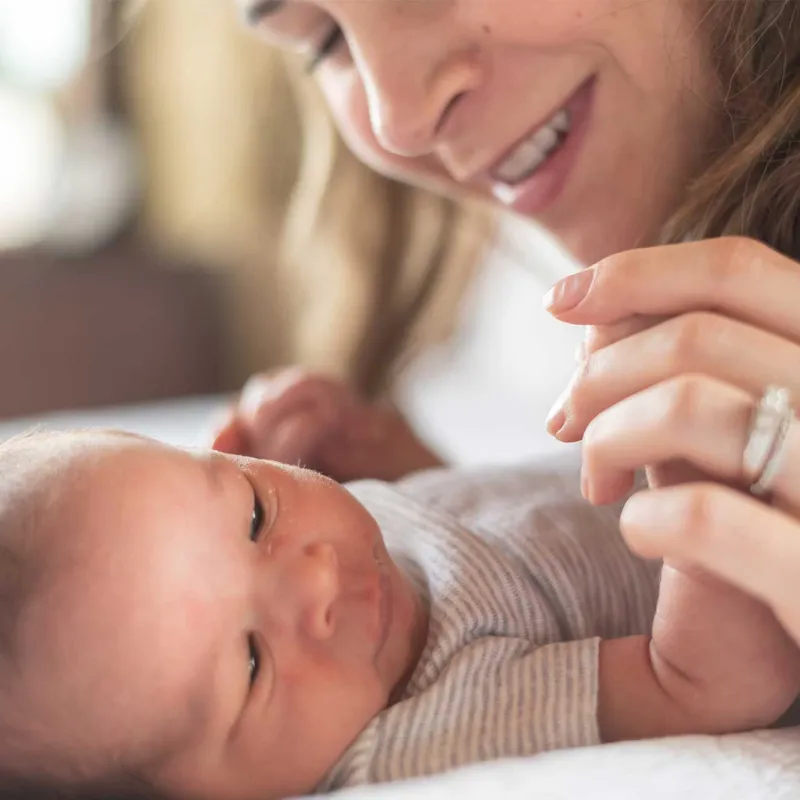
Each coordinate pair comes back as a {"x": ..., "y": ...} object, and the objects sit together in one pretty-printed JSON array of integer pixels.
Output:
[{"x": 769, "y": 426}]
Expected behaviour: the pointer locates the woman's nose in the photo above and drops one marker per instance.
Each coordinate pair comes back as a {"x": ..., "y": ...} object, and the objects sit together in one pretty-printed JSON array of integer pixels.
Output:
[
  {"x": 319, "y": 591},
  {"x": 410, "y": 98}
]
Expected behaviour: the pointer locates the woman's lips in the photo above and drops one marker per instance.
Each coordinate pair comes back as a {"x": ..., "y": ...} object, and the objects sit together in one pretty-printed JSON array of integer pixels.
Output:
[{"x": 534, "y": 194}]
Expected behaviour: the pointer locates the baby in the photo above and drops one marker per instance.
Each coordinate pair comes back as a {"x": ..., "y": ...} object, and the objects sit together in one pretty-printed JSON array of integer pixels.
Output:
[{"x": 200, "y": 625}]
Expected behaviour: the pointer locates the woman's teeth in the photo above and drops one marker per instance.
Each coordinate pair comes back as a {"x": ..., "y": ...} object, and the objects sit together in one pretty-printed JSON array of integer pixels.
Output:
[{"x": 535, "y": 150}]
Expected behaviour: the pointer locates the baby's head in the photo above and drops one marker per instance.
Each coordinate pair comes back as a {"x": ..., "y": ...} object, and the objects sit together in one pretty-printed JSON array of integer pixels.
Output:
[{"x": 190, "y": 624}]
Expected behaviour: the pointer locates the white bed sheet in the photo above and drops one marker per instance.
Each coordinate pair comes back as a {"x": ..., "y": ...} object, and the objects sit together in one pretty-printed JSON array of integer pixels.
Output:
[
  {"x": 184, "y": 422},
  {"x": 757, "y": 766}
]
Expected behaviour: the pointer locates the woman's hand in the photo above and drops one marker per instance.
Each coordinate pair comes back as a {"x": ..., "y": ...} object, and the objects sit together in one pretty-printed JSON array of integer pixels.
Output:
[
  {"x": 684, "y": 341},
  {"x": 300, "y": 418}
]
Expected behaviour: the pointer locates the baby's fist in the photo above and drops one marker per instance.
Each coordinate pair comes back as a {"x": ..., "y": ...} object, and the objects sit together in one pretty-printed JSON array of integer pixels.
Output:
[
  {"x": 283, "y": 416},
  {"x": 300, "y": 418}
]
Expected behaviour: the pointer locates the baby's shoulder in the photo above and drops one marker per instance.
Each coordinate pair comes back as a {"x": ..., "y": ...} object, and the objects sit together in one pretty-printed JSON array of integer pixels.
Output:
[
  {"x": 538, "y": 504},
  {"x": 535, "y": 511},
  {"x": 470, "y": 490}
]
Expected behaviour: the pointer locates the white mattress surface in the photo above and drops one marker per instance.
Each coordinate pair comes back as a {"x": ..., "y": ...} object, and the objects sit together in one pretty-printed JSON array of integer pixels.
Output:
[
  {"x": 184, "y": 423},
  {"x": 756, "y": 766}
]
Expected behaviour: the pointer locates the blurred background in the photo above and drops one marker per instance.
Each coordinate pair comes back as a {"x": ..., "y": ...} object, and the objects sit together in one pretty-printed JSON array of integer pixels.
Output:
[
  {"x": 155, "y": 159},
  {"x": 92, "y": 311}
]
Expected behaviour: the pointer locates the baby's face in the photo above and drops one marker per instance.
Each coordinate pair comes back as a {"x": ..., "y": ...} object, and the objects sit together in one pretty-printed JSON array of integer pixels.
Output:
[{"x": 235, "y": 623}]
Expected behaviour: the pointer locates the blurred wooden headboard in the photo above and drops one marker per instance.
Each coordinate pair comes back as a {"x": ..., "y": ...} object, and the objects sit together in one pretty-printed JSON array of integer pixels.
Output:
[{"x": 115, "y": 328}]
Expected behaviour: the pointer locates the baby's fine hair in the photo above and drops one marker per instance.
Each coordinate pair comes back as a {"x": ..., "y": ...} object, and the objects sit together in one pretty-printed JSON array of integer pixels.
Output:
[
  {"x": 19, "y": 572},
  {"x": 25, "y": 495}
]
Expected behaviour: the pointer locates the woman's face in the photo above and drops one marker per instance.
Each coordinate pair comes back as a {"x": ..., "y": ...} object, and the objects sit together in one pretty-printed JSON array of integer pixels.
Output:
[{"x": 588, "y": 115}]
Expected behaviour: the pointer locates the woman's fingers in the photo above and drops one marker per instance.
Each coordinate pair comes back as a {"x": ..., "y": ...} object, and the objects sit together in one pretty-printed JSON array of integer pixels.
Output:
[
  {"x": 598, "y": 337},
  {"x": 700, "y": 342},
  {"x": 691, "y": 418},
  {"x": 739, "y": 277},
  {"x": 725, "y": 532}
]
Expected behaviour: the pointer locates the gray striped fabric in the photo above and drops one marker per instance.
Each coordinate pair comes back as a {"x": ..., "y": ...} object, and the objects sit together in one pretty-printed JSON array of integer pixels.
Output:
[{"x": 523, "y": 579}]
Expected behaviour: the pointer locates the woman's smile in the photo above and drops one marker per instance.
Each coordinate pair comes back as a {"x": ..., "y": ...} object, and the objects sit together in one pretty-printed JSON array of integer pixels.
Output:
[
  {"x": 586, "y": 115},
  {"x": 535, "y": 173}
]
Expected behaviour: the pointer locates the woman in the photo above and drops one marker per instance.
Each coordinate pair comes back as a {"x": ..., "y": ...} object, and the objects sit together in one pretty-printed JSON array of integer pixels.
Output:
[{"x": 640, "y": 134}]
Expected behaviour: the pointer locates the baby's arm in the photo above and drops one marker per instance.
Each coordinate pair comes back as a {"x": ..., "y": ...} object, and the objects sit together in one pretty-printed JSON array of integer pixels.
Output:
[{"x": 717, "y": 662}]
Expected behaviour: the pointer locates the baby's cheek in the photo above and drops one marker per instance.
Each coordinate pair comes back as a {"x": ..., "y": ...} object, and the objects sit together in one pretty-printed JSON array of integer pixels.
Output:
[{"x": 325, "y": 681}]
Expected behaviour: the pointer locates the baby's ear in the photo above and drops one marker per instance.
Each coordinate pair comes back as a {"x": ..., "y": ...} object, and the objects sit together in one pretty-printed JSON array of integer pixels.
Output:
[{"x": 230, "y": 438}]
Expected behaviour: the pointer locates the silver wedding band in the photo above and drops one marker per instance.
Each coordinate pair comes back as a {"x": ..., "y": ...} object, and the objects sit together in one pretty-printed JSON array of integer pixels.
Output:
[{"x": 766, "y": 441}]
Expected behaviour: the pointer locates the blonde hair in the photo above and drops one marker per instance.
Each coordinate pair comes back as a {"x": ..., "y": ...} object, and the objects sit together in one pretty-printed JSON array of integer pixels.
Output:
[
  {"x": 346, "y": 223},
  {"x": 324, "y": 262}
]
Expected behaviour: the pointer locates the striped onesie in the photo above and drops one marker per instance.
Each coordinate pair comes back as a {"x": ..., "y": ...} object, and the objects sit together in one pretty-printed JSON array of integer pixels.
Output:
[{"x": 522, "y": 578}]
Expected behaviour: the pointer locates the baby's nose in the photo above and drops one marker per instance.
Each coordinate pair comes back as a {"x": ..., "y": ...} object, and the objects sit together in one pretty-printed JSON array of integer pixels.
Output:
[{"x": 321, "y": 589}]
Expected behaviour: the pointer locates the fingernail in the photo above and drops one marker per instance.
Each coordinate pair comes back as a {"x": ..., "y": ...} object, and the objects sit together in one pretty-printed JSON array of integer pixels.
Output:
[
  {"x": 580, "y": 352},
  {"x": 569, "y": 292}
]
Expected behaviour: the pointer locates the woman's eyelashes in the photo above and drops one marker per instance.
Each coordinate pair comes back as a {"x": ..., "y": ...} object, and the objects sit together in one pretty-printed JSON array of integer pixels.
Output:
[{"x": 330, "y": 43}]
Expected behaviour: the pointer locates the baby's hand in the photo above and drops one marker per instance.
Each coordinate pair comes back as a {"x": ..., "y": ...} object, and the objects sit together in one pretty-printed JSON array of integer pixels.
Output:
[
  {"x": 718, "y": 662},
  {"x": 300, "y": 418}
]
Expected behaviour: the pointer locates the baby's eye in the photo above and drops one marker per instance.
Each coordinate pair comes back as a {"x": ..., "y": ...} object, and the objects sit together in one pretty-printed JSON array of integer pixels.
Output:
[
  {"x": 255, "y": 659},
  {"x": 257, "y": 520}
]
